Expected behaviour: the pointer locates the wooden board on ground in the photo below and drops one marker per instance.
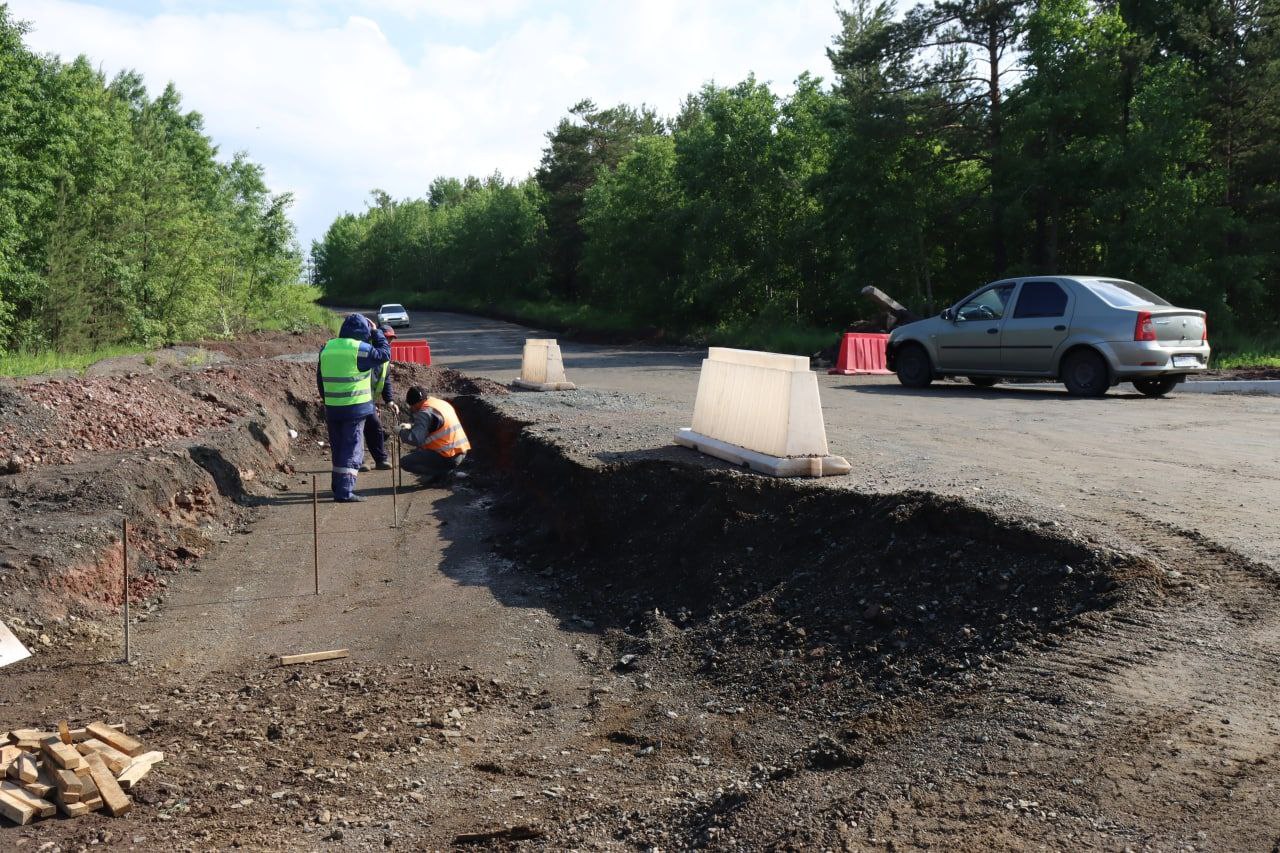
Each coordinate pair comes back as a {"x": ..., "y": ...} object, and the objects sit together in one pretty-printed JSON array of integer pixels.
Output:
[
  {"x": 60, "y": 754},
  {"x": 115, "y": 799},
  {"x": 24, "y": 769},
  {"x": 16, "y": 810},
  {"x": 70, "y": 786},
  {"x": 43, "y": 807},
  {"x": 8, "y": 754},
  {"x": 79, "y": 735},
  {"x": 139, "y": 768},
  {"x": 309, "y": 657},
  {"x": 64, "y": 731},
  {"x": 117, "y": 739},
  {"x": 75, "y": 809},
  {"x": 28, "y": 738},
  {"x": 116, "y": 760},
  {"x": 43, "y": 786}
]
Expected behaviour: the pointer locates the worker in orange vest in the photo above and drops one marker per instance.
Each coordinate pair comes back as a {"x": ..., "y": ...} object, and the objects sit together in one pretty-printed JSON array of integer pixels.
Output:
[{"x": 440, "y": 443}]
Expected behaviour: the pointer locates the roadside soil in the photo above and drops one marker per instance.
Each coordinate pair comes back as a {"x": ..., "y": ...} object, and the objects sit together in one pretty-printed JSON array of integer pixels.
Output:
[{"x": 594, "y": 640}]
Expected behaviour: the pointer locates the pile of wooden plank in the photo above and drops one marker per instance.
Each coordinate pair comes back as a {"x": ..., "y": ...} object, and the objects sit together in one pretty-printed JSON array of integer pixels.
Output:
[{"x": 75, "y": 770}]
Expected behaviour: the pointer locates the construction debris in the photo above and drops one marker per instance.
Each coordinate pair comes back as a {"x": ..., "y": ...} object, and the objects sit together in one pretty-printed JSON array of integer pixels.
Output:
[{"x": 83, "y": 770}]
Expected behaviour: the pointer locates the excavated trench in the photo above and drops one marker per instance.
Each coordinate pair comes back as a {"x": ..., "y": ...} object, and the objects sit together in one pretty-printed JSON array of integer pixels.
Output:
[{"x": 771, "y": 588}]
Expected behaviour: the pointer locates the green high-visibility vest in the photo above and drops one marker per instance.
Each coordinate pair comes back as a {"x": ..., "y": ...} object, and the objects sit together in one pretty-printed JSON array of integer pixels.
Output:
[
  {"x": 344, "y": 383},
  {"x": 381, "y": 381}
]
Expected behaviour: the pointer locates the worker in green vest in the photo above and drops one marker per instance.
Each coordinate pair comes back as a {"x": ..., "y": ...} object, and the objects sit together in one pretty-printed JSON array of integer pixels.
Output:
[
  {"x": 375, "y": 439},
  {"x": 344, "y": 378}
]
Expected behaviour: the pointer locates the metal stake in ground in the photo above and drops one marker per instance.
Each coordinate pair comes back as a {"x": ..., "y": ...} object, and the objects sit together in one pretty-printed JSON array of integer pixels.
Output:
[
  {"x": 124, "y": 560},
  {"x": 395, "y": 469},
  {"x": 315, "y": 532}
]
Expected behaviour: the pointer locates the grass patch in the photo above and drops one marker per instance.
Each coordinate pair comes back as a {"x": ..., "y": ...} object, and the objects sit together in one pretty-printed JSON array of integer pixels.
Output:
[
  {"x": 790, "y": 338},
  {"x": 1256, "y": 350},
  {"x": 30, "y": 364},
  {"x": 1247, "y": 359}
]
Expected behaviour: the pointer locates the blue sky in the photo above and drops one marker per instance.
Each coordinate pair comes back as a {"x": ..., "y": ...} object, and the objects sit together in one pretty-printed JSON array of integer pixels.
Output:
[{"x": 337, "y": 97}]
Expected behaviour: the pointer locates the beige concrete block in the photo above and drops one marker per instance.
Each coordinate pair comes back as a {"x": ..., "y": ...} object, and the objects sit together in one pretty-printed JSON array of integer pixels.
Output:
[
  {"x": 542, "y": 367},
  {"x": 761, "y": 401}
]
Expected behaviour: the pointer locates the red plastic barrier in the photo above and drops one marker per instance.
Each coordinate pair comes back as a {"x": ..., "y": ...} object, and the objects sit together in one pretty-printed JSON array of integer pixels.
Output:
[
  {"x": 415, "y": 352},
  {"x": 861, "y": 353}
]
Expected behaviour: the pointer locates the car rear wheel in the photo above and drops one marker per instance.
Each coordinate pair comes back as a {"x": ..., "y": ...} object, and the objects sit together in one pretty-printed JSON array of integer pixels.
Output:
[
  {"x": 913, "y": 367},
  {"x": 1155, "y": 386},
  {"x": 1085, "y": 374},
  {"x": 984, "y": 381}
]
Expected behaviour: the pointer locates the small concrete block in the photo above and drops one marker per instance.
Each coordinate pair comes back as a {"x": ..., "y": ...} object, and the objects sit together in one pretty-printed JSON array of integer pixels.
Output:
[{"x": 542, "y": 367}]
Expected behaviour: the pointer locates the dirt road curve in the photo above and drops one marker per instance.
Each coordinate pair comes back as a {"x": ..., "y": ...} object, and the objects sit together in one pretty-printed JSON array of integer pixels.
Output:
[
  {"x": 1208, "y": 463},
  {"x": 1027, "y": 622}
]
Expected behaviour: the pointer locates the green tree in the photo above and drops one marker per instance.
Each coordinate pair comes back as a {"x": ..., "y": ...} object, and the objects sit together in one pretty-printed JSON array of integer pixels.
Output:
[{"x": 580, "y": 146}]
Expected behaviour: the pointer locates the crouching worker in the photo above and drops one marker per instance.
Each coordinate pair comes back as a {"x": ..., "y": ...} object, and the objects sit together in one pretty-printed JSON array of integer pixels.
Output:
[
  {"x": 436, "y": 433},
  {"x": 344, "y": 378}
]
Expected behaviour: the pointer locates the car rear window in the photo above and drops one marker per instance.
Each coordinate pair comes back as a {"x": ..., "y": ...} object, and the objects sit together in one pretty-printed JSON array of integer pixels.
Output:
[
  {"x": 392, "y": 309},
  {"x": 1041, "y": 299},
  {"x": 1122, "y": 294}
]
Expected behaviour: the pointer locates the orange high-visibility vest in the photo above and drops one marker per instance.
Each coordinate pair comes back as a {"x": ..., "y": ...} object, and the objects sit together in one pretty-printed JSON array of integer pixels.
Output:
[{"x": 449, "y": 440}]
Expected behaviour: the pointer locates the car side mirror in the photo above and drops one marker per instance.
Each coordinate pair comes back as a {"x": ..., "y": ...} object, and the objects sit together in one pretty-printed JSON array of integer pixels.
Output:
[{"x": 949, "y": 315}]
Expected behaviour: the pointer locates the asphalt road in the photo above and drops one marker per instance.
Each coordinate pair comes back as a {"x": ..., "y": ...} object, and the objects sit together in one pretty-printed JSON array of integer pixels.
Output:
[{"x": 1203, "y": 462}]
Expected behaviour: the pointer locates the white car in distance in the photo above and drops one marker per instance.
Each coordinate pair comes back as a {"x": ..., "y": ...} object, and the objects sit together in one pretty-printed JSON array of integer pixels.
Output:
[{"x": 393, "y": 315}]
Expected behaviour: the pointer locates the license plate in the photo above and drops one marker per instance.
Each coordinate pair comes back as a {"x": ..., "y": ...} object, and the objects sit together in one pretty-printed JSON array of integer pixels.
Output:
[{"x": 1185, "y": 361}]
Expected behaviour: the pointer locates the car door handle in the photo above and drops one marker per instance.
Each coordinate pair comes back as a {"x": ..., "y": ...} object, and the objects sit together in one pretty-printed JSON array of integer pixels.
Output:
[
  {"x": 1059, "y": 328},
  {"x": 992, "y": 331}
]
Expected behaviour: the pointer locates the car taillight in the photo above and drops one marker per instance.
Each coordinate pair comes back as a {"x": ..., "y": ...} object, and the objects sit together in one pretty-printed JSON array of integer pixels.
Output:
[
  {"x": 1204, "y": 336},
  {"x": 1144, "y": 329}
]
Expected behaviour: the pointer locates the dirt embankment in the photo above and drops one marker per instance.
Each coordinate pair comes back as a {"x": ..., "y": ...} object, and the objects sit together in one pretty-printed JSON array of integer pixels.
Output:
[{"x": 171, "y": 450}]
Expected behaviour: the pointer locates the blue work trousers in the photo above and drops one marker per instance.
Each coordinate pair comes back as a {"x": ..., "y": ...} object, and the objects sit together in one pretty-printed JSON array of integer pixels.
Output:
[
  {"x": 375, "y": 438},
  {"x": 348, "y": 453}
]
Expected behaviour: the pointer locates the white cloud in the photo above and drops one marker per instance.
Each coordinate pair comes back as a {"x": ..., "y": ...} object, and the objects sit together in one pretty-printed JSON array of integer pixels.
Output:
[{"x": 335, "y": 103}]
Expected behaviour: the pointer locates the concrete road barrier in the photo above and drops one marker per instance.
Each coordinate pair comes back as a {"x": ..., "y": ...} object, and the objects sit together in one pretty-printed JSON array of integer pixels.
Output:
[
  {"x": 762, "y": 410},
  {"x": 542, "y": 367}
]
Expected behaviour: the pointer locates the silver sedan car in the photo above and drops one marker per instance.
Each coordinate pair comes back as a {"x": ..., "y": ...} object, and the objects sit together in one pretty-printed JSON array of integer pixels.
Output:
[{"x": 1091, "y": 333}]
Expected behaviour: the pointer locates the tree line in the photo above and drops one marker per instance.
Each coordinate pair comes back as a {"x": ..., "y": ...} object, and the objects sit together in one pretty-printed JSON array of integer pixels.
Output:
[
  {"x": 959, "y": 141},
  {"x": 118, "y": 222}
]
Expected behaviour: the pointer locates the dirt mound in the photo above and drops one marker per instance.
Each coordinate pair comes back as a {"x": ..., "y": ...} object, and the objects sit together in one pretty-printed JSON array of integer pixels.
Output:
[
  {"x": 441, "y": 381},
  {"x": 110, "y": 413},
  {"x": 62, "y": 421}
]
